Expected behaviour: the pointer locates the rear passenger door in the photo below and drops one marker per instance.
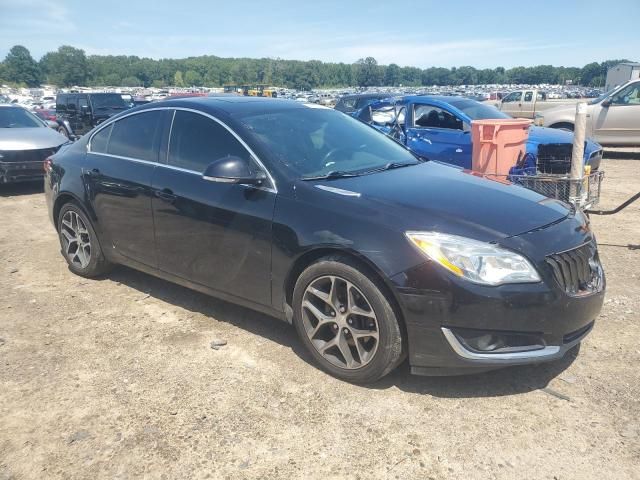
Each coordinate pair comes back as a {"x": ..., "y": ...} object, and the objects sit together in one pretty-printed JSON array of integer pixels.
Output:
[
  {"x": 212, "y": 234},
  {"x": 118, "y": 171},
  {"x": 527, "y": 110}
]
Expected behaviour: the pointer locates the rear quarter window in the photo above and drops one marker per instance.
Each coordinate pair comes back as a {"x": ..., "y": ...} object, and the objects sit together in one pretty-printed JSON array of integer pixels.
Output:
[{"x": 100, "y": 140}]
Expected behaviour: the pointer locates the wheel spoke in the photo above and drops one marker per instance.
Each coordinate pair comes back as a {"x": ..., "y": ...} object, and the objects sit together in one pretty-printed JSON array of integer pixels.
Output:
[
  {"x": 343, "y": 346},
  {"x": 357, "y": 333}
]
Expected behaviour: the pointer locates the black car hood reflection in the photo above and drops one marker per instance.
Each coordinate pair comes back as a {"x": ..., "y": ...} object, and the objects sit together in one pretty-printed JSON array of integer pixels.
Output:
[{"x": 438, "y": 197}]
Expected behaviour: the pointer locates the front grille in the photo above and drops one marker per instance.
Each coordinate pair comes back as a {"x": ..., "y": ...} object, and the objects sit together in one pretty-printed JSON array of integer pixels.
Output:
[
  {"x": 577, "y": 271},
  {"x": 25, "y": 156},
  {"x": 554, "y": 158}
]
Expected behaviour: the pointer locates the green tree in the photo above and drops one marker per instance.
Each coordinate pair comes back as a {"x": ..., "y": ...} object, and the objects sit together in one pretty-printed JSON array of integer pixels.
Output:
[
  {"x": 177, "y": 79},
  {"x": 21, "y": 68},
  {"x": 368, "y": 73},
  {"x": 392, "y": 75},
  {"x": 131, "y": 81},
  {"x": 192, "y": 78},
  {"x": 66, "y": 67}
]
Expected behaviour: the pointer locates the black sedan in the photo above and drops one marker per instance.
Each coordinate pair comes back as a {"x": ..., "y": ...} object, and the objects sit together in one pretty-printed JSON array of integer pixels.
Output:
[{"x": 311, "y": 216}]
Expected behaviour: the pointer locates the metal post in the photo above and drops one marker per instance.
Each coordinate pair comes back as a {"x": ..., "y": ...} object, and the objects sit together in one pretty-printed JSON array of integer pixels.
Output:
[{"x": 577, "y": 196}]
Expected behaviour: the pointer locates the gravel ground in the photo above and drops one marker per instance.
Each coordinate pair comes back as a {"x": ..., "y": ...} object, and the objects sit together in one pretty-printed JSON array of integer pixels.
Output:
[{"x": 115, "y": 378}]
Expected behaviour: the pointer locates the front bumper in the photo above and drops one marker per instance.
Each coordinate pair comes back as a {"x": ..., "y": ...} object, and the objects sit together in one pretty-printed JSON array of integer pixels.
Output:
[
  {"x": 444, "y": 315},
  {"x": 13, "y": 172}
]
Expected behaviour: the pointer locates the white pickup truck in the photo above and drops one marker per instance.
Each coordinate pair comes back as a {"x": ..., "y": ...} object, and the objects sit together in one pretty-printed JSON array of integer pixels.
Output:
[
  {"x": 526, "y": 103},
  {"x": 612, "y": 119}
]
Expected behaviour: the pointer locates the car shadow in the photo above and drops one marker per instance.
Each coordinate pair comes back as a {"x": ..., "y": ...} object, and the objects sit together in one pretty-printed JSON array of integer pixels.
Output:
[
  {"x": 506, "y": 381},
  {"x": 25, "y": 188}
]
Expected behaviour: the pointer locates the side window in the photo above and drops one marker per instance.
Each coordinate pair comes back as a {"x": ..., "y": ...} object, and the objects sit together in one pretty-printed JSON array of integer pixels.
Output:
[
  {"x": 82, "y": 102},
  {"x": 100, "y": 140},
  {"x": 513, "y": 97},
  {"x": 433, "y": 117},
  {"x": 528, "y": 96},
  {"x": 196, "y": 141},
  {"x": 61, "y": 103},
  {"x": 72, "y": 103},
  {"x": 349, "y": 102},
  {"x": 541, "y": 96},
  {"x": 628, "y": 96},
  {"x": 135, "y": 136}
]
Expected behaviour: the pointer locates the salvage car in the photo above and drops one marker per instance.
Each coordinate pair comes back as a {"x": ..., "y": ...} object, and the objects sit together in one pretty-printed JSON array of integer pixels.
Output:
[
  {"x": 309, "y": 215},
  {"x": 352, "y": 104},
  {"x": 439, "y": 128},
  {"x": 528, "y": 103},
  {"x": 25, "y": 142},
  {"x": 612, "y": 119}
]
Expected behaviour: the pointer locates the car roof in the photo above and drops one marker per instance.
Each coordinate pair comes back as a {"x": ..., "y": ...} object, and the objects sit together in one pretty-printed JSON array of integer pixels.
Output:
[{"x": 231, "y": 105}]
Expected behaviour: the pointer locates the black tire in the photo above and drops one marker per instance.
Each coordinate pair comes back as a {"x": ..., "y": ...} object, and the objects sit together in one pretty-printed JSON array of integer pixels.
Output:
[
  {"x": 62, "y": 131},
  {"x": 564, "y": 126},
  {"x": 97, "y": 264},
  {"x": 389, "y": 352}
]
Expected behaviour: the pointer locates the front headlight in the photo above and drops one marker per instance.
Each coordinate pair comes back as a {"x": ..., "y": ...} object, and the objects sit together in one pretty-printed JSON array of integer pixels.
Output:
[{"x": 478, "y": 262}]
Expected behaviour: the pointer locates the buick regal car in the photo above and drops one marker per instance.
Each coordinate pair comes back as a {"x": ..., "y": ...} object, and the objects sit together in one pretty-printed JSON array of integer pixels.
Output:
[
  {"x": 311, "y": 216},
  {"x": 25, "y": 142}
]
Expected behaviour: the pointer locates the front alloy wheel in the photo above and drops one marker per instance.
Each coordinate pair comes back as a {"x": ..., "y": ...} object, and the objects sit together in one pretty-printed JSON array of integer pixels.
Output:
[
  {"x": 343, "y": 314},
  {"x": 340, "y": 322}
]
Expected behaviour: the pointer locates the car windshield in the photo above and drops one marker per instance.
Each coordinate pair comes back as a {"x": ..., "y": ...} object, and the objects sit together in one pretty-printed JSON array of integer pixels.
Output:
[
  {"x": 476, "y": 110},
  {"x": 16, "y": 117},
  {"x": 317, "y": 141},
  {"x": 108, "y": 100}
]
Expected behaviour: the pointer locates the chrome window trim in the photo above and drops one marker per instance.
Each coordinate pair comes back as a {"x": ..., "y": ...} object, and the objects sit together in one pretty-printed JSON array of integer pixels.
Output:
[
  {"x": 105, "y": 124},
  {"x": 252, "y": 154},
  {"x": 111, "y": 121}
]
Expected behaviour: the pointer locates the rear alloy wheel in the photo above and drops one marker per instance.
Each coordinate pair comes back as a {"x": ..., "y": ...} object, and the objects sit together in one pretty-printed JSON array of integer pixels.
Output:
[
  {"x": 79, "y": 242},
  {"x": 346, "y": 321}
]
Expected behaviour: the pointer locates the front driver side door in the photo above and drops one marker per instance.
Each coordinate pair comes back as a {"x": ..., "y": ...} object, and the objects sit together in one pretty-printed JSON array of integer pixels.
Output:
[
  {"x": 213, "y": 234},
  {"x": 512, "y": 104},
  {"x": 437, "y": 134},
  {"x": 619, "y": 124}
]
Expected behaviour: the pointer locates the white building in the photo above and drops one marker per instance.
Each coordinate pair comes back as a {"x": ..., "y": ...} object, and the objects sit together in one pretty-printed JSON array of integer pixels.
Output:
[{"x": 621, "y": 73}]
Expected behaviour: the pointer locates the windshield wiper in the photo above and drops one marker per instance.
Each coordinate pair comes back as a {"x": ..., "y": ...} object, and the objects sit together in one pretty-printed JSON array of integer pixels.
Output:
[
  {"x": 390, "y": 166},
  {"x": 331, "y": 175}
]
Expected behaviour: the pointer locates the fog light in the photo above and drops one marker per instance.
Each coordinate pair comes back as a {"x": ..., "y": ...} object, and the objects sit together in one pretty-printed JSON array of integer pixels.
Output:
[{"x": 483, "y": 341}]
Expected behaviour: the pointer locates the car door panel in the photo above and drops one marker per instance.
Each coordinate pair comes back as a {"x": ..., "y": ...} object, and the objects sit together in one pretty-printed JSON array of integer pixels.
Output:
[
  {"x": 447, "y": 145},
  {"x": 214, "y": 234},
  {"x": 119, "y": 185},
  {"x": 211, "y": 233},
  {"x": 619, "y": 123}
]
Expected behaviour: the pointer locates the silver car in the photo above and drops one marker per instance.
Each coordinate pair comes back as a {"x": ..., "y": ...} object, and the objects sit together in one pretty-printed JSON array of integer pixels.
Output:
[
  {"x": 25, "y": 142},
  {"x": 612, "y": 119}
]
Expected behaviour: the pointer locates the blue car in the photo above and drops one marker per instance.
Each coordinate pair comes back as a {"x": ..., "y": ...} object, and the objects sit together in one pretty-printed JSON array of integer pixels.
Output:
[{"x": 439, "y": 128}]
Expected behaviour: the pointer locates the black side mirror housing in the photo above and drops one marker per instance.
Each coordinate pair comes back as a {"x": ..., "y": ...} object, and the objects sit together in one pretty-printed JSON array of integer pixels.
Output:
[
  {"x": 606, "y": 103},
  {"x": 233, "y": 169}
]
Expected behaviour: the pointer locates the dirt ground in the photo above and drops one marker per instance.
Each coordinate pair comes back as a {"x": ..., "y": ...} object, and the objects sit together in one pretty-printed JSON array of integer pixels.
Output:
[{"x": 115, "y": 378}]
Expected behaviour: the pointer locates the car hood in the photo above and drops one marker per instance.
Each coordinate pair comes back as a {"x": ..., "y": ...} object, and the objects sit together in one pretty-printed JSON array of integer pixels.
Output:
[
  {"x": 30, "y": 138},
  {"x": 438, "y": 197}
]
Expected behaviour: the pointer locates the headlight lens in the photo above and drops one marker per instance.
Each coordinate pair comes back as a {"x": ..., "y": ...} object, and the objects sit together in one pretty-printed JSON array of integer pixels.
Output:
[{"x": 478, "y": 262}]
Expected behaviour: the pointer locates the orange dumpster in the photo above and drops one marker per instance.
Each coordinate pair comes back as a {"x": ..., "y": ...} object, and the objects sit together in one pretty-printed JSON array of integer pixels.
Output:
[{"x": 498, "y": 144}]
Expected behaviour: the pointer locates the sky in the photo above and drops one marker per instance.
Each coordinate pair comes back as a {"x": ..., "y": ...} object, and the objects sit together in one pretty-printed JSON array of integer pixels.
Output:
[{"x": 410, "y": 33}]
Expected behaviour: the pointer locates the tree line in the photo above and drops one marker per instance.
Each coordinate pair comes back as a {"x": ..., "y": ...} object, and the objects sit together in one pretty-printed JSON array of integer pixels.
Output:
[{"x": 69, "y": 66}]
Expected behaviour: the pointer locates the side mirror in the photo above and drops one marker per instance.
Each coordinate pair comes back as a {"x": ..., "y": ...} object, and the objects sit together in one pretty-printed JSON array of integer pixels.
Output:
[
  {"x": 606, "y": 103},
  {"x": 51, "y": 124},
  {"x": 232, "y": 169}
]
